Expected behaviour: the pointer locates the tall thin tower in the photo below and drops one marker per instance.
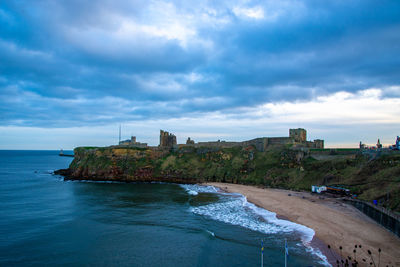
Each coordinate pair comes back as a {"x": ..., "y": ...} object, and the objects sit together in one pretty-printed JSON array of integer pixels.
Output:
[{"x": 119, "y": 139}]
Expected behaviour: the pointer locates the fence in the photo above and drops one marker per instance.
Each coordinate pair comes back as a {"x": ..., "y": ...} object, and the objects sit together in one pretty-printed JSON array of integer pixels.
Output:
[{"x": 387, "y": 219}]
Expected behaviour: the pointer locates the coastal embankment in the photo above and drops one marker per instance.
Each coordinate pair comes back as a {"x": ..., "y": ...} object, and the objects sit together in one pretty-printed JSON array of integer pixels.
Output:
[{"x": 335, "y": 223}]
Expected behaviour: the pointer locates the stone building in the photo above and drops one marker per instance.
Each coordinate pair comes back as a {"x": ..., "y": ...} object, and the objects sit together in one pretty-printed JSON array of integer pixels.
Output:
[
  {"x": 189, "y": 141},
  {"x": 318, "y": 143},
  {"x": 132, "y": 143},
  {"x": 298, "y": 135},
  {"x": 296, "y": 138},
  {"x": 167, "y": 139}
]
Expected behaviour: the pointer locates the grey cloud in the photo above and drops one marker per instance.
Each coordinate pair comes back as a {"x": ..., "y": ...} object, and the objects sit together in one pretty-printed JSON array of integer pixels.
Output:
[{"x": 64, "y": 50}]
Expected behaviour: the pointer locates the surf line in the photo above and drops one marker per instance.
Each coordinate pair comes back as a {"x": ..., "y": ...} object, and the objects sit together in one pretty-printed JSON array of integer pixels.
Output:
[{"x": 236, "y": 210}]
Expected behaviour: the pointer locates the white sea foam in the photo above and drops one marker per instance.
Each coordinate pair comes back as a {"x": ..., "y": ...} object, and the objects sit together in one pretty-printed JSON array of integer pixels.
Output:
[
  {"x": 319, "y": 254},
  {"x": 191, "y": 192},
  {"x": 236, "y": 210},
  {"x": 194, "y": 189},
  {"x": 211, "y": 233},
  {"x": 270, "y": 217}
]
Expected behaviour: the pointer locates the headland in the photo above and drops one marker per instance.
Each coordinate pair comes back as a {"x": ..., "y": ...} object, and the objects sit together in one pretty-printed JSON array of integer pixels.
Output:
[
  {"x": 291, "y": 163},
  {"x": 284, "y": 163}
]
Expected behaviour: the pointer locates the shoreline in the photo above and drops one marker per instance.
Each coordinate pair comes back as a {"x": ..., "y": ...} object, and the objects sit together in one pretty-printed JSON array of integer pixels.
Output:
[
  {"x": 315, "y": 242},
  {"x": 334, "y": 222}
]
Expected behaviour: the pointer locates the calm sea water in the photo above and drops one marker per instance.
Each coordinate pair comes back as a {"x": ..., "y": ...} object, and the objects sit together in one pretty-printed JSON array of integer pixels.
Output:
[{"x": 47, "y": 221}]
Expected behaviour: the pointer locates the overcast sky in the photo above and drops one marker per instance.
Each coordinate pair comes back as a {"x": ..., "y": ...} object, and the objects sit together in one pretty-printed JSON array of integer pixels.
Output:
[{"x": 71, "y": 71}]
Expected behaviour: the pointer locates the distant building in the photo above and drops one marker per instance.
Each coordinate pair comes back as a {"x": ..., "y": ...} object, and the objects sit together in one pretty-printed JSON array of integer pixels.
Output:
[
  {"x": 398, "y": 143},
  {"x": 319, "y": 143},
  {"x": 167, "y": 139},
  {"x": 362, "y": 146},
  {"x": 189, "y": 141},
  {"x": 378, "y": 144},
  {"x": 297, "y": 138},
  {"x": 396, "y": 146},
  {"x": 132, "y": 143}
]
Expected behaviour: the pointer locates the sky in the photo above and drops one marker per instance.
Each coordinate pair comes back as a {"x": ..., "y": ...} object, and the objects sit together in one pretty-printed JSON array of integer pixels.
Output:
[{"x": 72, "y": 71}]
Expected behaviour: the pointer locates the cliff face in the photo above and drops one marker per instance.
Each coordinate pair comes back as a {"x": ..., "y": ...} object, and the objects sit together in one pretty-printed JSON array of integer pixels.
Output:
[
  {"x": 120, "y": 164},
  {"x": 282, "y": 168}
]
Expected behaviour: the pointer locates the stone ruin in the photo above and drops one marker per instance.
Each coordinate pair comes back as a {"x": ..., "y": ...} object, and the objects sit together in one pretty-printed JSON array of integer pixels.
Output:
[
  {"x": 297, "y": 138},
  {"x": 167, "y": 139}
]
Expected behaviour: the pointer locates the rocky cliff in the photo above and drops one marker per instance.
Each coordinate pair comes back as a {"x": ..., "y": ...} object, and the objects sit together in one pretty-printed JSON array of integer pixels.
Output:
[{"x": 282, "y": 168}]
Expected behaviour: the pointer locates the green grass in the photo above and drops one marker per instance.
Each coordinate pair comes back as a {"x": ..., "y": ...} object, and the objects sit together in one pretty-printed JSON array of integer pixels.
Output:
[{"x": 278, "y": 168}]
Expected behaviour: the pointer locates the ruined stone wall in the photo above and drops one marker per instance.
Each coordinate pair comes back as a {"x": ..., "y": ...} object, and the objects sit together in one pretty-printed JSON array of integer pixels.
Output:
[
  {"x": 125, "y": 143},
  {"x": 262, "y": 143},
  {"x": 128, "y": 143},
  {"x": 259, "y": 143},
  {"x": 279, "y": 140},
  {"x": 318, "y": 143},
  {"x": 308, "y": 144},
  {"x": 296, "y": 137},
  {"x": 221, "y": 144}
]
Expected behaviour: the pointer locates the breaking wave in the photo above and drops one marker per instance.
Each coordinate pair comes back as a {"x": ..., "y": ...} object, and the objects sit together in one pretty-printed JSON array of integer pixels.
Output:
[
  {"x": 194, "y": 189},
  {"x": 237, "y": 211},
  {"x": 234, "y": 209}
]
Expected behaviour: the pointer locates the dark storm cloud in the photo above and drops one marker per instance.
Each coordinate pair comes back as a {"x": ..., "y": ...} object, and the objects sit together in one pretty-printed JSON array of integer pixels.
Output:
[{"x": 79, "y": 62}]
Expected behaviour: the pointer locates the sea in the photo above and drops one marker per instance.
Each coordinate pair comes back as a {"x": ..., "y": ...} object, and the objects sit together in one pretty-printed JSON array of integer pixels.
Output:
[{"x": 46, "y": 221}]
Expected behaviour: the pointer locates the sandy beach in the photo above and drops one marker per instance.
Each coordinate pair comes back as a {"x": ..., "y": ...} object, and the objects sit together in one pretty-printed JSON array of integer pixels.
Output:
[{"x": 334, "y": 222}]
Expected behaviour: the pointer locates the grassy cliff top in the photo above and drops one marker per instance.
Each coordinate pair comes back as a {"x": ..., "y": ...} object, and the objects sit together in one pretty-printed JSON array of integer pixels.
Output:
[{"x": 376, "y": 177}]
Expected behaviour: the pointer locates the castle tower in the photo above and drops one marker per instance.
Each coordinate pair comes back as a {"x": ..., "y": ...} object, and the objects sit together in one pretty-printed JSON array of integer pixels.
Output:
[
  {"x": 161, "y": 138},
  {"x": 167, "y": 139},
  {"x": 298, "y": 135}
]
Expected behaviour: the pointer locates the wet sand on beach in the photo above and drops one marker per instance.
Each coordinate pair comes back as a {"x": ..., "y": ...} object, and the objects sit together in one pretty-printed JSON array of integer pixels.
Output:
[{"x": 334, "y": 222}]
